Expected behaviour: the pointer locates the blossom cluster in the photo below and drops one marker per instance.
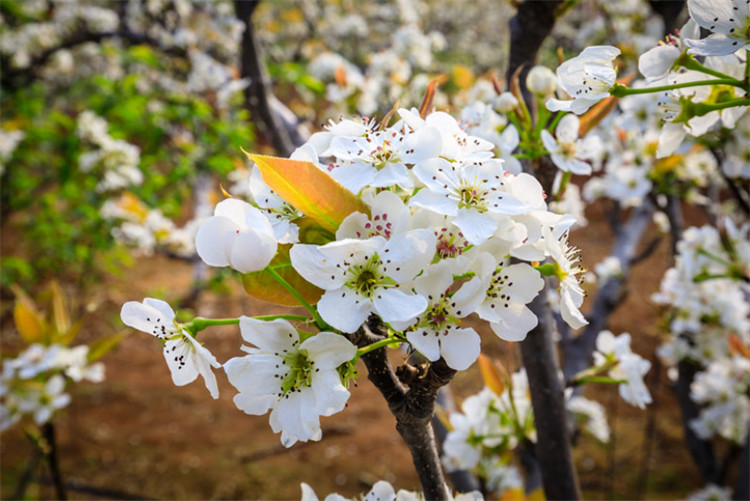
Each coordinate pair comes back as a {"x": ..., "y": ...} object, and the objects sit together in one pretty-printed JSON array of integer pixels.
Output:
[
  {"x": 709, "y": 314},
  {"x": 490, "y": 425},
  {"x": 384, "y": 491},
  {"x": 34, "y": 382},
  {"x": 442, "y": 231}
]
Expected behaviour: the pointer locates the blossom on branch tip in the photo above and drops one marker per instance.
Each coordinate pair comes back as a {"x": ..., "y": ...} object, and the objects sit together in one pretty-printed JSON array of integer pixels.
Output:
[
  {"x": 185, "y": 356},
  {"x": 238, "y": 235},
  {"x": 587, "y": 77},
  {"x": 297, "y": 380}
]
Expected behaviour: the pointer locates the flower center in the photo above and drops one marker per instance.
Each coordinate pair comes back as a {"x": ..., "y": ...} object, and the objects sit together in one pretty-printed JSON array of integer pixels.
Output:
[
  {"x": 447, "y": 245},
  {"x": 368, "y": 277},
  {"x": 471, "y": 195},
  {"x": 300, "y": 372}
]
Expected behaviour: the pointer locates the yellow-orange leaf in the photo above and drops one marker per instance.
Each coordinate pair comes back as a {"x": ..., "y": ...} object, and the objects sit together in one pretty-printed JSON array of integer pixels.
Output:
[
  {"x": 263, "y": 285},
  {"x": 309, "y": 190},
  {"x": 29, "y": 322},
  {"x": 429, "y": 95},
  {"x": 536, "y": 495},
  {"x": 737, "y": 347},
  {"x": 491, "y": 374},
  {"x": 59, "y": 309},
  {"x": 515, "y": 494}
]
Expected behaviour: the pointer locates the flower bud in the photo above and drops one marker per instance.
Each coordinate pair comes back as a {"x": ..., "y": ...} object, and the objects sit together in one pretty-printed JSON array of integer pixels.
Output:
[
  {"x": 506, "y": 102},
  {"x": 541, "y": 80}
]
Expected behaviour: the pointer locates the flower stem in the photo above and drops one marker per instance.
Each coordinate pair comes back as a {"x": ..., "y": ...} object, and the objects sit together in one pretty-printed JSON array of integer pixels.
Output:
[
  {"x": 389, "y": 341},
  {"x": 318, "y": 320},
  {"x": 620, "y": 90},
  {"x": 199, "y": 323},
  {"x": 689, "y": 62}
]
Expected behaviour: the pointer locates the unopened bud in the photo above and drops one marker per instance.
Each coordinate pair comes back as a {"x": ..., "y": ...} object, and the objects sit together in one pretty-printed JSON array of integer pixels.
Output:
[
  {"x": 541, "y": 80},
  {"x": 506, "y": 102}
]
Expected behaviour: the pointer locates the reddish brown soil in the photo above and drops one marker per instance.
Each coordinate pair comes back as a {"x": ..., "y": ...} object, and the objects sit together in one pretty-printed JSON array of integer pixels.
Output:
[{"x": 138, "y": 434}]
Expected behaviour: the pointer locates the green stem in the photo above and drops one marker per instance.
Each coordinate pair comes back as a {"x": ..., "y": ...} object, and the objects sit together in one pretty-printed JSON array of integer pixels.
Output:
[
  {"x": 700, "y": 109},
  {"x": 689, "y": 62},
  {"x": 619, "y": 90},
  {"x": 199, "y": 323},
  {"x": 563, "y": 184},
  {"x": 389, "y": 341},
  {"x": 318, "y": 320},
  {"x": 556, "y": 120}
]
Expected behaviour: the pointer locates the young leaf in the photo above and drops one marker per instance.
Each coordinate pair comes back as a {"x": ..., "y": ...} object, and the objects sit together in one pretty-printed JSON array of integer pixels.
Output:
[
  {"x": 60, "y": 315},
  {"x": 309, "y": 190},
  {"x": 492, "y": 375},
  {"x": 104, "y": 345},
  {"x": 29, "y": 322},
  {"x": 262, "y": 285}
]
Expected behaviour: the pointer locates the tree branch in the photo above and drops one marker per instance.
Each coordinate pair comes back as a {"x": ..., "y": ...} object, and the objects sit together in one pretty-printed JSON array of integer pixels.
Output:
[
  {"x": 413, "y": 407},
  {"x": 257, "y": 94},
  {"x": 553, "y": 450}
]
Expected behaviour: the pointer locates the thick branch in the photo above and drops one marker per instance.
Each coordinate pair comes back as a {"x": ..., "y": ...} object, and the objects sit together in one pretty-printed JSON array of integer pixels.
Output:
[
  {"x": 413, "y": 407},
  {"x": 553, "y": 450},
  {"x": 529, "y": 28},
  {"x": 702, "y": 450},
  {"x": 257, "y": 93}
]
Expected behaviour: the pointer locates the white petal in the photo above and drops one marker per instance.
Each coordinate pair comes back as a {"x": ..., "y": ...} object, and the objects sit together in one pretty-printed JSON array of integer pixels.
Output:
[
  {"x": 426, "y": 342},
  {"x": 271, "y": 336},
  {"x": 256, "y": 374},
  {"x": 658, "y": 61},
  {"x": 567, "y": 129},
  {"x": 329, "y": 350},
  {"x": 253, "y": 250},
  {"x": 460, "y": 348},
  {"x": 393, "y": 304},
  {"x": 476, "y": 227},
  {"x": 234, "y": 210},
  {"x": 553, "y": 104},
  {"x": 163, "y": 307},
  {"x": 713, "y": 15},
  {"x": 213, "y": 240},
  {"x": 178, "y": 354},
  {"x": 330, "y": 394},
  {"x": 146, "y": 319},
  {"x": 715, "y": 45},
  {"x": 570, "y": 313},
  {"x": 344, "y": 309}
]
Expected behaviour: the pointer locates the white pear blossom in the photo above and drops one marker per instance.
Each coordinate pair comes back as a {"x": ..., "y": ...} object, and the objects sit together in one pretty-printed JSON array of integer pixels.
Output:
[
  {"x": 437, "y": 332},
  {"x": 571, "y": 293},
  {"x": 470, "y": 193},
  {"x": 507, "y": 291},
  {"x": 185, "y": 356},
  {"x": 238, "y": 235},
  {"x": 567, "y": 150},
  {"x": 363, "y": 276},
  {"x": 587, "y": 77},
  {"x": 297, "y": 380},
  {"x": 592, "y": 414},
  {"x": 630, "y": 367},
  {"x": 541, "y": 81}
]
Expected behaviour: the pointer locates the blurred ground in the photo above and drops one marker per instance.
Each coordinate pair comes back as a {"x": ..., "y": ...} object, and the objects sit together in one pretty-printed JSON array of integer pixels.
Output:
[{"x": 140, "y": 436}]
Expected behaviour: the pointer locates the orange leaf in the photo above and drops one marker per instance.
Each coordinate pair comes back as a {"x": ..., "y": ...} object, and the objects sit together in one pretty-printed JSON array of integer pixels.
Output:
[
  {"x": 262, "y": 285},
  {"x": 29, "y": 322},
  {"x": 492, "y": 375},
  {"x": 429, "y": 95},
  {"x": 737, "y": 347},
  {"x": 309, "y": 190}
]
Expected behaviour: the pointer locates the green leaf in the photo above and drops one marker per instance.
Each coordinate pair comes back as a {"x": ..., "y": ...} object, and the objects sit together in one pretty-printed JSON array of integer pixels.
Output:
[
  {"x": 309, "y": 189},
  {"x": 104, "y": 345},
  {"x": 262, "y": 285}
]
